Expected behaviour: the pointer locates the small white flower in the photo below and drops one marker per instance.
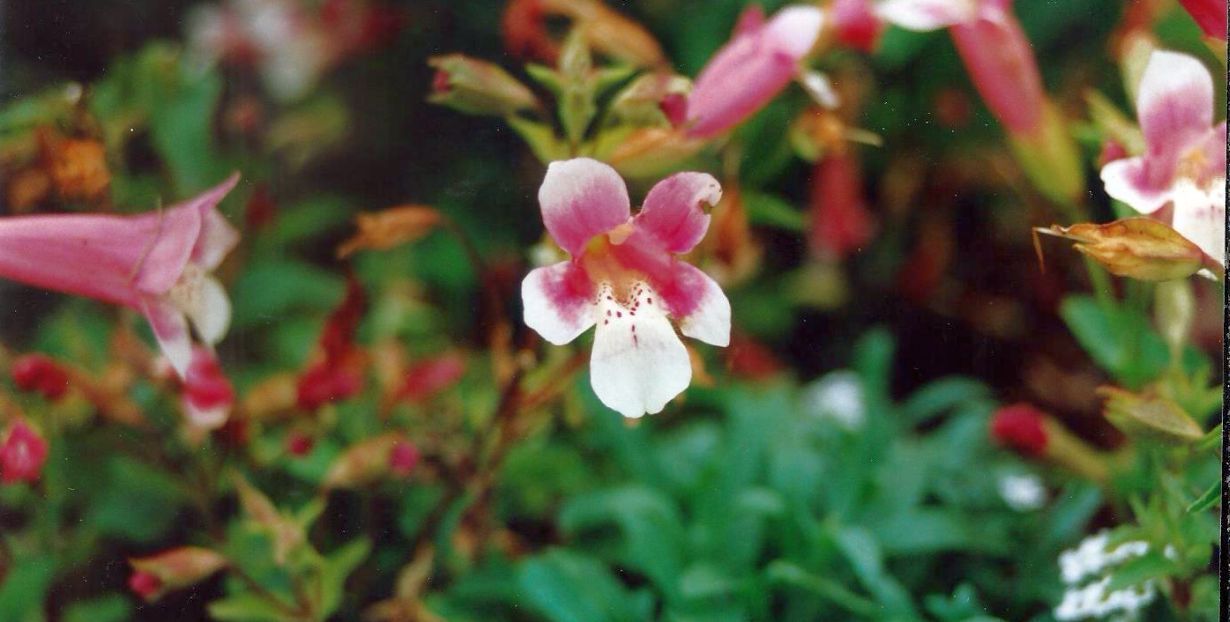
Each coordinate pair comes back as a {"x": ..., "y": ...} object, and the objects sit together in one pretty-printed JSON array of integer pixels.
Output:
[
  {"x": 837, "y": 396},
  {"x": 1095, "y": 601},
  {"x": 1022, "y": 492}
]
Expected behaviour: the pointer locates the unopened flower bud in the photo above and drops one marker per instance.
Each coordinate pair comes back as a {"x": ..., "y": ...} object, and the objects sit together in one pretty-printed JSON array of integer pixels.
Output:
[
  {"x": 477, "y": 87},
  {"x": 38, "y": 372},
  {"x": 403, "y": 457},
  {"x": 368, "y": 461},
  {"x": 22, "y": 454},
  {"x": 170, "y": 570},
  {"x": 429, "y": 377},
  {"x": 1020, "y": 427},
  {"x": 391, "y": 227},
  {"x": 1149, "y": 416},
  {"x": 299, "y": 444}
]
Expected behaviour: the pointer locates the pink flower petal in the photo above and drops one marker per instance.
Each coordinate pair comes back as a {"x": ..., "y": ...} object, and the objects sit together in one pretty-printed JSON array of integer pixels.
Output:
[
  {"x": 638, "y": 363},
  {"x": 581, "y": 198},
  {"x": 558, "y": 301},
  {"x": 171, "y": 331},
  {"x": 1210, "y": 15},
  {"x": 116, "y": 259},
  {"x": 673, "y": 213},
  {"x": 750, "y": 21},
  {"x": 751, "y": 70},
  {"x": 709, "y": 321},
  {"x": 217, "y": 237},
  {"x": 1128, "y": 180},
  {"x": 856, "y": 24},
  {"x": 1001, "y": 64},
  {"x": 1175, "y": 108},
  {"x": 926, "y": 15},
  {"x": 110, "y": 258},
  {"x": 1214, "y": 163}
]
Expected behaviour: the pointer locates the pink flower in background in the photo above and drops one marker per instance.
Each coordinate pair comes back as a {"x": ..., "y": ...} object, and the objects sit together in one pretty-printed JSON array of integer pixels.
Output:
[
  {"x": 1210, "y": 15},
  {"x": 1184, "y": 162},
  {"x": 292, "y": 43},
  {"x": 856, "y": 24},
  {"x": 998, "y": 56},
  {"x": 624, "y": 276},
  {"x": 22, "y": 454},
  {"x": 750, "y": 70},
  {"x": 208, "y": 395},
  {"x": 157, "y": 263},
  {"x": 840, "y": 222}
]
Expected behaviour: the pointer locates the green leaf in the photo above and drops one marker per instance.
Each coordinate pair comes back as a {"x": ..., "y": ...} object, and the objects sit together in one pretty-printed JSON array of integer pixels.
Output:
[
  {"x": 1206, "y": 500},
  {"x": 941, "y": 396},
  {"x": 564, "y": 586},
  {"x": 24, "y": 588},
  {"x": 787, "y": 573},
  {"x": 269, "y": 290},
  {"x": 333, "y": 573},
  {"x": 649, "y": 524},
  {"x": 773, "y": 211},
  {"x": 864, "y": 554},
  {"x": 1118, "y": 339},
  {"x": 136, "y": 502},
  {"x": 1137, "y": 570},
  {"x": 247, "y": 607},
  {"x": 109, "y": 608}
]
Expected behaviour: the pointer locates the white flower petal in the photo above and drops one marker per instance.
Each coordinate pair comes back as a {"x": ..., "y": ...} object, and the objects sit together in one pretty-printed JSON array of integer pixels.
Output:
[
  {"x": 555, "y": 305},
  {"x": 925, "y": 15},
  {"x": 710, "y": 322},
  {"x": 211, "y": 316},
  {"x": 1200, "y": 216},
  {"x": 638, "y": 363}
]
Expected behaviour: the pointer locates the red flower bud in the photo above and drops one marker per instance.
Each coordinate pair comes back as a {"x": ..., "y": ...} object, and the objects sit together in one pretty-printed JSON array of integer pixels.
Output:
[
  {"x": 22, "y": 455},
  {"x": 1021, "y": 428},
  {"x": 38, "y": 372},
  {"x": 144, "y": 584},
  {"x": 403, "y": 458},
  {"x": 675, "y": 107},
  {"x": 429, "y": 377},
  {"x": 324, "y": 383},
  {"x": 855, "y": 24},
  {"x": 299, "y": 444}
]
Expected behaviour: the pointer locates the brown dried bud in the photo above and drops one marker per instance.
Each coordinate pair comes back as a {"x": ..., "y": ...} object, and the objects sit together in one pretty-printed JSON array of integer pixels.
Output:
[
  {"x": 1138, "y": 248},
  {"x": 1149, "y": 416},
  {"x": 388, "y": 228}
]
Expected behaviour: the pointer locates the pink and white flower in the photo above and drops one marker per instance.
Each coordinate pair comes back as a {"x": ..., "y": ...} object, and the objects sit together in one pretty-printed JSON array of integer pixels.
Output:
[
  {"x": 207, "y": 393},
  {"x": 158, "y": 263},
  {"x": 625, "y": 277},
  {"x": 996, "y": 53},
  {"x": 1184, "y": 162},
  {"x": 752, "y": 68}
]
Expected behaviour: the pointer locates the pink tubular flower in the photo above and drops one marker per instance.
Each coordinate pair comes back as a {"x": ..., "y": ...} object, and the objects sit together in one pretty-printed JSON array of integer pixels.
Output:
[
  {"x": 855, "y": 24},
  {"x": 1184, "y": 162},
  {"x": 995, "y": 50},
  {"x": 751, "y": 69},
  {"x": 22, "y": 454},
  {"x": 1210, "y": 15},
  {"x": 624, "y": 276},
  {"x": 208, "y": 395},
  {"x": 840, "y": 222},
  {"x": 157, "y": 263}
]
